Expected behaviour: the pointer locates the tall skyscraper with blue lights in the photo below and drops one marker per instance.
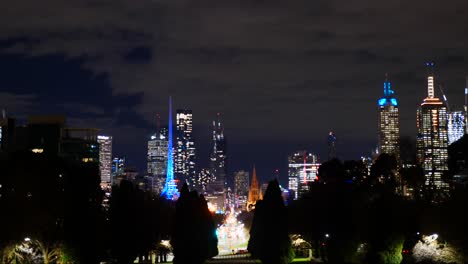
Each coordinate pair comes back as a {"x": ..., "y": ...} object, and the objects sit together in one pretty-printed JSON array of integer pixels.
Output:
[
  {"x": 170, "y": 188},
  {"x": 389, "y": 124}
]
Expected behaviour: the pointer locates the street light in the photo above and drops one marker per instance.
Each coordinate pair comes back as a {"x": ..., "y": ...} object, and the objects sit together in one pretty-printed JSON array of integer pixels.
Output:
[
  {"x": 27, "y": 239},
  {"x": 327, "y": 235}
]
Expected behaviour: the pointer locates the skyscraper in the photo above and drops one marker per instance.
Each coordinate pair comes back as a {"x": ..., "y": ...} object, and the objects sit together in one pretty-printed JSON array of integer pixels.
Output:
[
  {"x": 389, "y": 124},
  {"x": 170, "y": 188},
  {"x": 432, "y": 140},
  {"x": 157, "y": 159},
  {"x": 118, "y": 168},
  {"x": 303, "y": 169},
  {"x": 218, "y": 157},
  {"x": 184, "y": 166},
  {"x": 241, "y": 187},
  {"x": 105, "y": 158},
  {"x": 331, "y": 140}
]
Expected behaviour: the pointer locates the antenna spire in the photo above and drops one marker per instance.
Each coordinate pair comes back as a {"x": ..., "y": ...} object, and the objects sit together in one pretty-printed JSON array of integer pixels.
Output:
[{"x": 430, "y": 79}]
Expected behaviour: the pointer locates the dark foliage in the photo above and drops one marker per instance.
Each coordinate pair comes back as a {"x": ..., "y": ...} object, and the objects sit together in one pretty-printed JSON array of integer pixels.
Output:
[
  {"x": 269, "y": 240},
  {"x": 194, "y": 235}
]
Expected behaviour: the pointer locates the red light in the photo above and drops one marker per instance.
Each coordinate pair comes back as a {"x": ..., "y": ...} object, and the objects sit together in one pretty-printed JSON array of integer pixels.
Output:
[{"x": 323, "y": 244}]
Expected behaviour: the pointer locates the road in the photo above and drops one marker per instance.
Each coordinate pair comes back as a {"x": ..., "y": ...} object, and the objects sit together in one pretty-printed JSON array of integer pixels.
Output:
[{"x": 232, "y": 259}]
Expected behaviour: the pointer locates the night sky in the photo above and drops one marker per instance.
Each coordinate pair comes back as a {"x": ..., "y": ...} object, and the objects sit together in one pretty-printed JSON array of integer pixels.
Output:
[{"x": 281, "y": 73}]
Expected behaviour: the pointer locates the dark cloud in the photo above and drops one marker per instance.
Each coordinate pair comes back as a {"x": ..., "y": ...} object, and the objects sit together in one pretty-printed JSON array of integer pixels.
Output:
[{"x": 277, "y": 70}]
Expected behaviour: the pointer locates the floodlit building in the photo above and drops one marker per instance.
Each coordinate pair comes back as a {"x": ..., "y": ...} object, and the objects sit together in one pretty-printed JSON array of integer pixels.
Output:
[
  {"x": 432, "y": 140},
  {"x": 241, "y": 188}
]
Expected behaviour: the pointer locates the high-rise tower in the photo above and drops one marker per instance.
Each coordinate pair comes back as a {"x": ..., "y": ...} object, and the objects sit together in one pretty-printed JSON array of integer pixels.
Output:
[
  {"x": 389, "y": 125},
  {"x": 185, "y": 148},
  {"x": 170, "y": 187},
  {"x": 157, "y": 158},
  {"x": 218, "y": 157},
  {"x": 105, "y": 158},
  {"x": 331, "y": 141},
  {"x": 432, "y": 140}
]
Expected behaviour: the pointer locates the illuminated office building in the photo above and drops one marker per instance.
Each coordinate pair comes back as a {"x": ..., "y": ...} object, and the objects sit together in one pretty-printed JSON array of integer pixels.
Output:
[
  {"x": 184, "y": 160},
  {"x": 432, "y": 140},
  {"x": 157, "y": 159},
  {"x": 303, "y": 169},
  {"x": 389, "y": 125},
  {"x": 241, "y": 188},
  {"x": 105, "y": 158},
  {"x": 218, "y": 158}
]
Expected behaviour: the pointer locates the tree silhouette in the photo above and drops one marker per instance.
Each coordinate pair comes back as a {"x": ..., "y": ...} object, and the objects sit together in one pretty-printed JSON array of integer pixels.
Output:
[
  {"x": 194, "y": 233},
  {"x": 332, "y": 171},
  {"x": 269, "y": 240}
]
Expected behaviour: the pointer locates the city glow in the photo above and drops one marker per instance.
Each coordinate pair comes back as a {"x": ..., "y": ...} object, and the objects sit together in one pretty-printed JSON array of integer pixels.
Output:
[{"x": 232, "y": 235}]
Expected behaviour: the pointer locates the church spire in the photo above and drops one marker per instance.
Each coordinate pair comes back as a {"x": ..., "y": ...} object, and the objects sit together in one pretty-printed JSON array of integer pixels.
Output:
[{"x": 254, "y": 194}]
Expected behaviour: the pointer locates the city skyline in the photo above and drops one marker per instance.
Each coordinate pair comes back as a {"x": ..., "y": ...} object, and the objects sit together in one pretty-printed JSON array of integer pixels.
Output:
[{"x": 266, "y": 67}]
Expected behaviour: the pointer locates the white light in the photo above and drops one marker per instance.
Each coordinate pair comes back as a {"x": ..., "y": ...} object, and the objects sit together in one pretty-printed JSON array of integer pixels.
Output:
[
  {"x": 327, "y": 235},
  {"x": 103, "y": 137},
  {"x": 36, "y": 150},
  {"x": 27, "y": 239}
]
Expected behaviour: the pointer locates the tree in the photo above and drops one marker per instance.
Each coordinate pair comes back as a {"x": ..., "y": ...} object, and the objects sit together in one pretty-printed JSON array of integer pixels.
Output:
[
  {"x": 194, "y": 233},
  {"x": 269, "y": 240},
  {"x": 332, "y": 171},
  {"x": 384, "y": 170}
]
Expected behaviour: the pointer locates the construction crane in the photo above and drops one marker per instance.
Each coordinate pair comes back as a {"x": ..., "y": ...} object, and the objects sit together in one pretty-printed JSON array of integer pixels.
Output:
[{"x": 445, "y": 98}]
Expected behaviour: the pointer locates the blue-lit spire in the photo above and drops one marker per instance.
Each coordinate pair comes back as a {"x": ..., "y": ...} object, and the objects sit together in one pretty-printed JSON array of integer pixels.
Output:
[
  {"x": 170, "y": 188},
  {"x": 388, "y": 94},
  {"x": 387, "y": 86}
]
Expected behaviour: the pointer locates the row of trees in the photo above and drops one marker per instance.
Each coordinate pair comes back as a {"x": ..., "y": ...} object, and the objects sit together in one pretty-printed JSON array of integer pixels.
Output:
[
  {"x": 52, "y": 213},
  {"x": 352, "y": 217}
]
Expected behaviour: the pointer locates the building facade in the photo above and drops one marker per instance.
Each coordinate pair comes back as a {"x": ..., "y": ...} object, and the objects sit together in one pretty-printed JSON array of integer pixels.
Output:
[
  {"x": 184, "y": 159},
  {"x": 432, "y": 140}
]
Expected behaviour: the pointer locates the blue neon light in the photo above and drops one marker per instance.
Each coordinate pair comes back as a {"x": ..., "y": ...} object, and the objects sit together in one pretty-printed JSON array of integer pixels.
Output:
[
  {"x": 394, "y": 101},
  {"x": 382, "y": 101},
  {"x": 170, "y": 188}
]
